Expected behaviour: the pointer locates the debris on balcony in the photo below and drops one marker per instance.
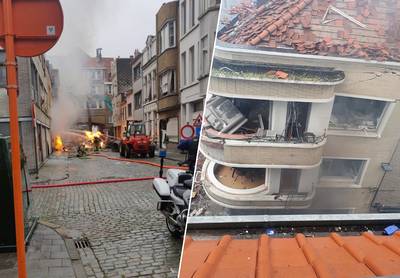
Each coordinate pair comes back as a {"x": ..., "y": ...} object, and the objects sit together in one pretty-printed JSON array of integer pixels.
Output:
[
  {"x": 223, "y": 115},
  {"x": 276, "y": 72},
  {"x": 281, "y": 74},
  {"x": 346, "y": 28},
  {"x": 239, "y": 178},
  {"x": 249, "y": 120}
]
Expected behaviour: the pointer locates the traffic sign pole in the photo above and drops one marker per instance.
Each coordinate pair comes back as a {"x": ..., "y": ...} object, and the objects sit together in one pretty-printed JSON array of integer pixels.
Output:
[{"x": 12, "y": 90}]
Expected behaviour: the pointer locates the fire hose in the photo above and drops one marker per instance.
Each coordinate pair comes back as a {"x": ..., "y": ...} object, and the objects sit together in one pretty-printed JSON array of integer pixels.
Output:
[
  {"x": 69, "y": 184},
  {"x": 140, "y": 162},
  {"x": 120, "y": 180}
]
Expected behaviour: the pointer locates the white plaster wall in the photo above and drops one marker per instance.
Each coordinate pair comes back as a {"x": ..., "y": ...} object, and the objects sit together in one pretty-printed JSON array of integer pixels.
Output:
[
  {"x": 319, "y": 117},
  {"x": 279, "y": 113}
]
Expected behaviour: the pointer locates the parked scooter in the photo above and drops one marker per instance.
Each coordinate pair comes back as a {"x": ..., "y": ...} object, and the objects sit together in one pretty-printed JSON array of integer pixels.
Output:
[{"x": 175, "y": 194}]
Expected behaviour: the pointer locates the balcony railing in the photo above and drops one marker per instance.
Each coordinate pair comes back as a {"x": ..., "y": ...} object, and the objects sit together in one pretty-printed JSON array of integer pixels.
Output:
[
  {"x": 266, "y": 151},
  {"x": 273, "y": 82}
]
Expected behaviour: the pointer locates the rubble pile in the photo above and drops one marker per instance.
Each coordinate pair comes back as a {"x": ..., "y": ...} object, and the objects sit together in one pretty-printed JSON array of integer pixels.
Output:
[{"x": 349, "y": 28}]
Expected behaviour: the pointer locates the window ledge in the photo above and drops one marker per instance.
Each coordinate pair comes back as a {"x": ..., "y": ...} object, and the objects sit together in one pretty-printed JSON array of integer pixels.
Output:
[
  {"x": 209, "y": 9},
  {"x": 183, "y": 36},
  {"x": 167, "y": 95},
  {"x": 187, "y": 86},
  {"x": 203, "y": 76},
  {"x": 330, "y": 183},
  {"x": 165, "y": 50},
  {"x": 354, "y": 133}
]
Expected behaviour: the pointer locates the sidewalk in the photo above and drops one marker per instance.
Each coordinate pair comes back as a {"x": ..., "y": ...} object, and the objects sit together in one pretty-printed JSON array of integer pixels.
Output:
[{"x": 46, "y": 257}]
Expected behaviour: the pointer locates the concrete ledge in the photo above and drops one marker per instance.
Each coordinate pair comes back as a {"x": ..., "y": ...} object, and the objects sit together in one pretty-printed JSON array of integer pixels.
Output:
[
  {"x": 271, "y": 90},
  {"x": 236, "y": 153}
]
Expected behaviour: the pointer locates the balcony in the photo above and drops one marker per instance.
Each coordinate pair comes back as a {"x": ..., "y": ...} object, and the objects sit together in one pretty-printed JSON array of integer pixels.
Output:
[
  {"x": 168, "y": 102},
  {"x": 250, "y": 152},
  {"x": 273, "y": 82},
  {"x": 258, "y": 197}
]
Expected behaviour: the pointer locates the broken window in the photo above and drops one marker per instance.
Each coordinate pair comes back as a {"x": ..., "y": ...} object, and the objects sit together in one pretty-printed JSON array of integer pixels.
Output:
[
  {"x": 296, "y": 120},
  {"x": 348, "y": 170},
  {"x": 167, "y": 82},
  {"x": 223, "y": 115},
  {"x": 238, "y": 115},
  {"x": 356, "y": 114}
]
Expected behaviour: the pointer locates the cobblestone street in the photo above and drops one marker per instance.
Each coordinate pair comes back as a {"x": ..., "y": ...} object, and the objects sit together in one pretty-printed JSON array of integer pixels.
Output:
[{"x": 128, "y": 236}]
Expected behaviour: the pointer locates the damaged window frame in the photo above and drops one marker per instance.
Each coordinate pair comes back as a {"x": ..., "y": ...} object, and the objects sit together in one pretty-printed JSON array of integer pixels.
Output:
[
  {"x": 379, "y": 120},
  {"x": 226, "y": 124}
]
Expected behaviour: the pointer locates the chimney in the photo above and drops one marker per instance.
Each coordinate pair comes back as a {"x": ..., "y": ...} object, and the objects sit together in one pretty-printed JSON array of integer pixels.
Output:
[{"x": 98, "y": 54}]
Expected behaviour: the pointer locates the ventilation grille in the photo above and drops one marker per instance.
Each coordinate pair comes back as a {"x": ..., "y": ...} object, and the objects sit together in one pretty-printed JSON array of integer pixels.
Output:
[{"x": 82, "y": 243}]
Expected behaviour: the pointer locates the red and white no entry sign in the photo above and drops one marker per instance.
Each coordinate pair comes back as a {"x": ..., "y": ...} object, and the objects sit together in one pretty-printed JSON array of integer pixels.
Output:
[
  {"x": 187, "y": 132},
  {"x": 37, "y": 26}
]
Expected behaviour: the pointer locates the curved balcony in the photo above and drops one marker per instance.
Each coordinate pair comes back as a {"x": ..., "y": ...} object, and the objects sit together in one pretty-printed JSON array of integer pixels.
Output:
[
  {"x": 262, "y": 153},
  {"x": 273, "y": 82},
  {"x": 258, "y": 197}
]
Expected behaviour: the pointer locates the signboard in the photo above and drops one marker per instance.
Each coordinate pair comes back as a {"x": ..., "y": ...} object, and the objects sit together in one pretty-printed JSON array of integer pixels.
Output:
[
  {"x": 37, "y": 26},
  {"x": 187, "y": 132},
  {"x": 197, "y": 122}
]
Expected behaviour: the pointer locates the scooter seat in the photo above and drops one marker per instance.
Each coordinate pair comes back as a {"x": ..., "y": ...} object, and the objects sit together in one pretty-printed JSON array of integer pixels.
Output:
[
  {"x": 186, "y": 197},
  {"x": 188, "y": 183},
  {"x": 179, "y": 190}
]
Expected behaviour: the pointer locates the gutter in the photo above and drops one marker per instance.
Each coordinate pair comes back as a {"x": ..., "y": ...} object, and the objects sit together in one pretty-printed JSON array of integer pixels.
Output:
[{"x": 262, "y": 221}]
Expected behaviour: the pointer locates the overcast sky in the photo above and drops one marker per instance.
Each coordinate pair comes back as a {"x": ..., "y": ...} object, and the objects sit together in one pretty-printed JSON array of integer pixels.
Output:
[{"x": 117, "y": 26}]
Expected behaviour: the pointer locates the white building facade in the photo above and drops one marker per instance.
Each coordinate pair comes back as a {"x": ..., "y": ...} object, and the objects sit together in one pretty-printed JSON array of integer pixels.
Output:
[
  {"x": 197, "y": 32},
  {"x": 149, "y": 92}
]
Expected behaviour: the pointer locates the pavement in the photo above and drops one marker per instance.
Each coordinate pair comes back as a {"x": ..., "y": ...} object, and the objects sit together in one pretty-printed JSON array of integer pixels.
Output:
[
  {"x": 125, "y": 234},
  {"x": 46, "y": 257}
]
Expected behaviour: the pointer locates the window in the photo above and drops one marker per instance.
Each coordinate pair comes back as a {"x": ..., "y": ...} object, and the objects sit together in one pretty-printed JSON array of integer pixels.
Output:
[
  {"x": 96, "y": 74},
  {"x": 184, "y": 69},
  {"x": 3, "y": 77},
  {"x": 289, "y": 182},
  {"x": 346, "y": 170},
  {"x": 192, "y": 64},
  {"x": 167, "y": 36},
  {"x": 153, "y": 84},
  {"x": 35, "y": 82},
  {"x": 183, "y": 17},
  {"x": 137, "y": 73},
  {"x": 356, "y": 113},
  {"x": 204, "y": 59},
  {"x": 205, "y": 5},
  {"x": 167, "y": 83},
  {"x": 108, "y": 89},
  {"x": 150, "y": 86},
  {"x": 198, "y": 106},
  {"x": 192, "y": 13},
  {"x": 91, "y": 104},
  {"x": 129, "y": 109},
  {"x": 138, "y": 100}
]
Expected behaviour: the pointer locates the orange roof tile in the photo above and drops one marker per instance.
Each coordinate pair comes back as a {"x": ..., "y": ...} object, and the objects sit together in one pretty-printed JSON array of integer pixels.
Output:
[
  {"x": 306, "y": 27},
  {"x": 366, "y": 255}
]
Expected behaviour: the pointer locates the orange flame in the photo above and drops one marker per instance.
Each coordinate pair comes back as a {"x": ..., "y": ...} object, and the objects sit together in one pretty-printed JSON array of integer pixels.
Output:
[{"x": 58, "y": 143}]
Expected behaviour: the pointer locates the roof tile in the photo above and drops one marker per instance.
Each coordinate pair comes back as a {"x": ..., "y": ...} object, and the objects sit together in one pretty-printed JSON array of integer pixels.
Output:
[
  {"x": 275, "y": 24},
  {"x": 366, "y": 255}
]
